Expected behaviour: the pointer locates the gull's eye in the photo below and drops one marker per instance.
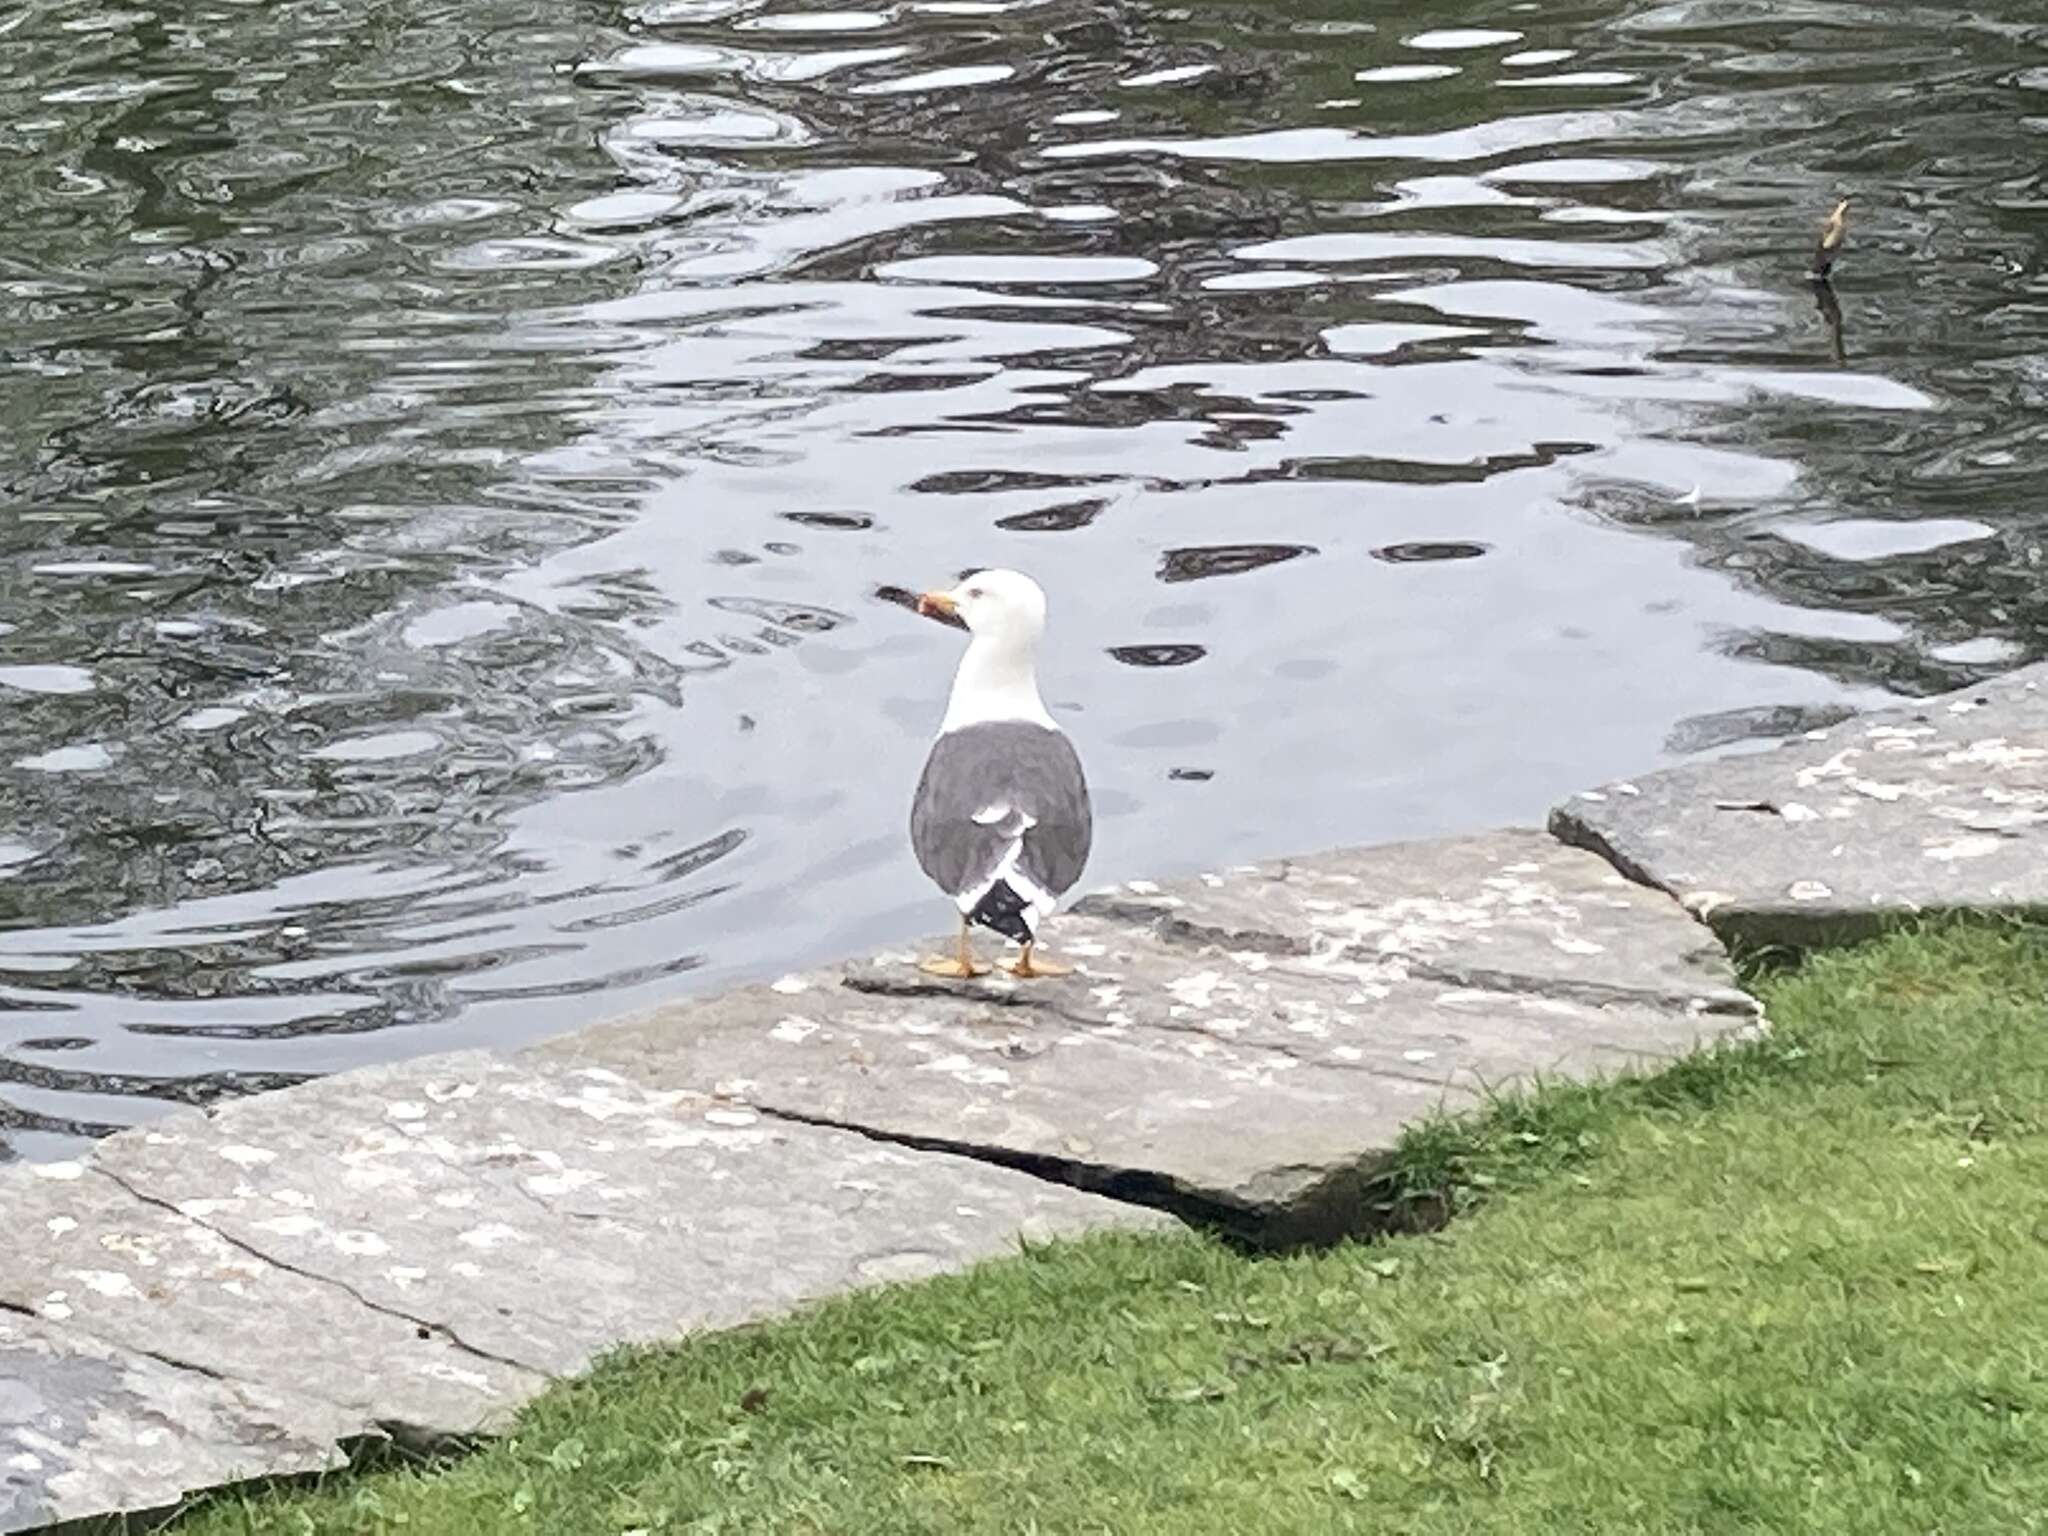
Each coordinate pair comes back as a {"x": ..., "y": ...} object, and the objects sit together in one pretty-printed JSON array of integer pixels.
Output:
[{"x": 974, "y": 592}]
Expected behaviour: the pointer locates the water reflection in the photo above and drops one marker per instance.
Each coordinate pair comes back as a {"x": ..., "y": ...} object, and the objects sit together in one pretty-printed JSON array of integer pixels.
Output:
[{"x": 464, "y": 463}]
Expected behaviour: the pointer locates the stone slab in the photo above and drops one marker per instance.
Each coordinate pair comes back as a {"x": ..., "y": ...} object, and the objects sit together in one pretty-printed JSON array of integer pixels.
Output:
[
  {"x": 1243, "y": 1048},
  {"x": 541, "y": 1215},
  {"x": 87, "y": 1428},
  {"x": 86, "y": 1252},
  {"x": 1940, "y": 806}
]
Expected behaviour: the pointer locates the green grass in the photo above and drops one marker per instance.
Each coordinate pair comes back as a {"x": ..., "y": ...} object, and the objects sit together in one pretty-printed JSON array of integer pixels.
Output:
[{"x": 1798, "y": 1287}]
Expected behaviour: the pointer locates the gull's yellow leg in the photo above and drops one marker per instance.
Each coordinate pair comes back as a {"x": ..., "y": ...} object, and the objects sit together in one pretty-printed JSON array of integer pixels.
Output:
[
  {"x": 1029, "y": 965},
  {"x": 959, "y": 965}
]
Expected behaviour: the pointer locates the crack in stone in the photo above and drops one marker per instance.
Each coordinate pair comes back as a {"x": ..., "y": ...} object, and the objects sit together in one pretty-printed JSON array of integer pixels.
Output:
[
  {"x": 1334, "y": 1209},
  {"x": 1593, "y": 993},
  {"x": 1163, "y": 925},
  {"x": 1129, "y": 1186},
  {"x": 72, "y": 1325},
  {"x": 341, "y": 1285},
  {"x": 1574, "y": 832}
]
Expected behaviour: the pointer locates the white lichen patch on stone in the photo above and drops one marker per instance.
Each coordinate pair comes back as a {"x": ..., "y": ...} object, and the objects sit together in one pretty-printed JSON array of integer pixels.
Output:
[
  {"x": 1975, "y": 846},
  {"x": 793, "y": 1029},
  {"x": 1793, "y": 811},
  {"x": 492, "y": 1234},
  {"x": 289, "y": 1226},
  {"x": 450, "y": 1093},
  {"x": 602, "y": 1101},
  {"x": 789, "y": 986},
  {"x": 405, "y": 1110},
  {"x": 567, "y": 1182},
  {"x": 1467, "y": 997},
  {"x": 1808, "y": 890},
  {"x": 2009, "y": 818},
  {"x": 965, "y": 1069},
  {"x": 731, "y": 1117},
  {"x": 135, "y": 1246},
  {"x": 107, "y": 1282},
  {"x": 1836, "y": 767},
  {"x": 2002, "y": 794},
  {"x": 57, "y": 1226},
  {"x": 1196, "y": 991},
  {"x": 672, "y": 1138},
  {"x": 1993, "y": 752},
  {"x": 60, "y": 1172}
]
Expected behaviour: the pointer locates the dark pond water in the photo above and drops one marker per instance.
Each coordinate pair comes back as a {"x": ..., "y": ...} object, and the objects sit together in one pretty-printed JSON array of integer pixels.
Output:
[{"x": 450, "y": 453}]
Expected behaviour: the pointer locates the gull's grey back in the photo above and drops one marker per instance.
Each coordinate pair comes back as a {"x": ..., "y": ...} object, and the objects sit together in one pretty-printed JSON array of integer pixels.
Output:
[{"x": 1010, "y": 763}]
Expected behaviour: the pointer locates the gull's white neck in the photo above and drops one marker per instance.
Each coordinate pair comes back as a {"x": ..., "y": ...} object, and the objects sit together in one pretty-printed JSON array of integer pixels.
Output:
[{"x": 997, "y": 680}]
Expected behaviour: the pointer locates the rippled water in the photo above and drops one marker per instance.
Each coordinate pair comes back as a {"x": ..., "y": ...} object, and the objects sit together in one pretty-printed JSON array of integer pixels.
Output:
[{"x": 452, "y": 453}]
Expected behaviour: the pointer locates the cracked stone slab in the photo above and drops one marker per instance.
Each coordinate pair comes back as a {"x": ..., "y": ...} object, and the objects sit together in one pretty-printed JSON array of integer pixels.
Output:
[
  {"x": 1940, "y": 806},
  {"x": 88, "y": 1428},
  {"x": 1244, "y": 1047},
  {"x": 88, "y": 1253},
  {"x": 1509, "y": 911},
  {"x": 540, "y": 1214}
]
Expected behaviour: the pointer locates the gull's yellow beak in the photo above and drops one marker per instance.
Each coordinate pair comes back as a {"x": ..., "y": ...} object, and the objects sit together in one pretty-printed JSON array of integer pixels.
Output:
[{"x": 937, "y": 605}]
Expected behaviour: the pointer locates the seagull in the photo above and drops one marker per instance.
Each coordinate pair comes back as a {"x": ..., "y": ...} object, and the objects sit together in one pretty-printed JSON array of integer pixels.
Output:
[{"x": 1000, "y": 820}]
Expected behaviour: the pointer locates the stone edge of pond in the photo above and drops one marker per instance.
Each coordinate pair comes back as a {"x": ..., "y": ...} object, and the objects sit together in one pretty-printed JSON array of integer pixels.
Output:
[
  {"x": 1937, "y": 807},
  {"x": 409, "y": 1253}
]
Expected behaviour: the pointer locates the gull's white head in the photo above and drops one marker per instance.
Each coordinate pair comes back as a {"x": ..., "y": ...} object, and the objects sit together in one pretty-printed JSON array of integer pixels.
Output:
[
  {"x": 998, "y": 678},
  {"x": 1005, "y": 607}
]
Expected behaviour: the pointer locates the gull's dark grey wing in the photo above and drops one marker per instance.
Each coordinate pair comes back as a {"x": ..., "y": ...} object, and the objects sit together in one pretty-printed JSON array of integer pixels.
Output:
[{"x": 1001, "y": 799}]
